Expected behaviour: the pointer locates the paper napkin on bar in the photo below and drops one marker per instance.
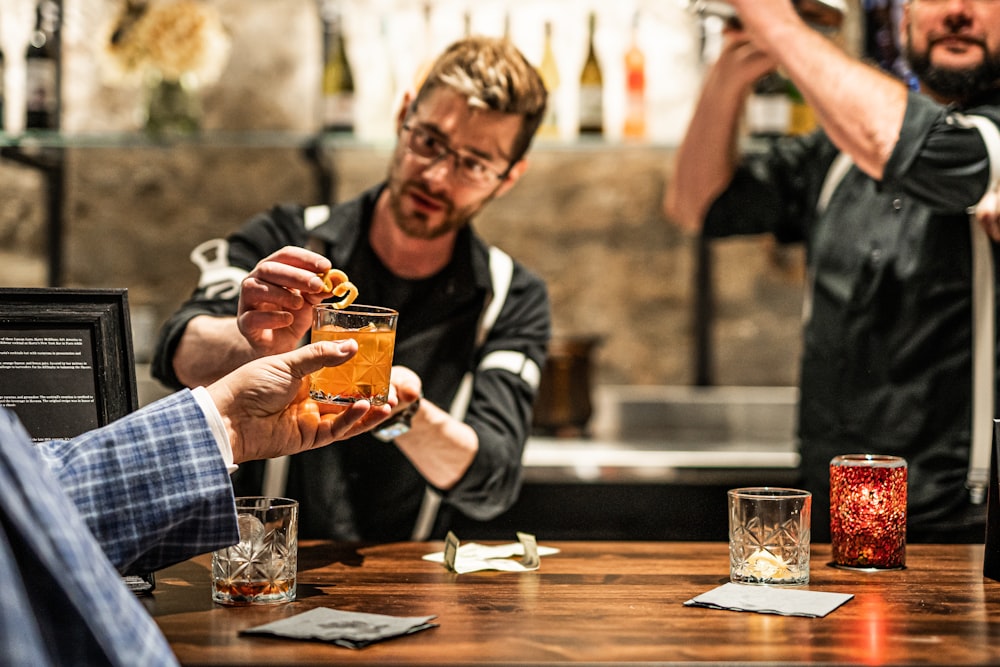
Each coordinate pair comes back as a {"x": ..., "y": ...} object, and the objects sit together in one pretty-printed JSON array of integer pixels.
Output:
[
  {"x": 770, "y": 600},
  {"x": 350, "y": 629},
  {"x": 473, "y": 557}
]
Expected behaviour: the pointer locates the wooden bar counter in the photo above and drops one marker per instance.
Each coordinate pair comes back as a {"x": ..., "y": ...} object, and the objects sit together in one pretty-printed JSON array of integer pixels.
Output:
[{"x": 597, "y": 602}]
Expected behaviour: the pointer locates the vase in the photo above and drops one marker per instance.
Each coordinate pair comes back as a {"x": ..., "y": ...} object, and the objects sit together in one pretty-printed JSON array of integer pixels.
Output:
[{"x": 172, "y": 108}]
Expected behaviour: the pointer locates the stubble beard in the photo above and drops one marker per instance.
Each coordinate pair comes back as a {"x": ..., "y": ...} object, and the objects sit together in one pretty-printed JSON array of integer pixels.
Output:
[{"x": 416, "y": 224}]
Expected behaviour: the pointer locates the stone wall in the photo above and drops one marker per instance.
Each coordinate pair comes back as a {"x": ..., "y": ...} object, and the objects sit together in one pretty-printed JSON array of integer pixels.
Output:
[{"x": 587, "y": 219}]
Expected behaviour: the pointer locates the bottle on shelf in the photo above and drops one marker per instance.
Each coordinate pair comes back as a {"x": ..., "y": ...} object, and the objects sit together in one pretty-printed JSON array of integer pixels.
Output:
[
  {"x": 427, "y": 60},
  {"x": 769, "y": 107},
  {"x": 635, "y": 86},
  {"x": 591, "y": 89},
  {"x": 549, "y": 72},
  {"x": 802, "y": 118},
  {"x": 2, "y": 80},
  {"x": 42, "y": 69},
  {"x": 776, "y": 108},
  {"x": 338, "y": 81}
]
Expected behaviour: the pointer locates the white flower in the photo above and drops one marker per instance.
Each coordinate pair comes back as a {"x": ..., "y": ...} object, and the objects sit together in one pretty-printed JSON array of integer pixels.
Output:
[{"x": 169, "y": 39}]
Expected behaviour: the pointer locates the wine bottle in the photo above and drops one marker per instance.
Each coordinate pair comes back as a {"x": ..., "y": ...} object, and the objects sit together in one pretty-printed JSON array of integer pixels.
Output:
[
  {"x": 768, "y": 109},
  {"x": 635, "y": 86},
  {"x": 802, "y": 118},
  {"x": 42, "y": 69},
  {"x": 427, "y": 61},
  {"x": 550, "y": 77},
  {"x": 3, "y": 78},
  {"x": 591, "y": 89},
  {"x": 338, "y": 82}
]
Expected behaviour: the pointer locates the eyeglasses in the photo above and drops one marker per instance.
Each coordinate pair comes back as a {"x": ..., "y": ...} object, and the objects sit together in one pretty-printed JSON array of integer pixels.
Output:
[{"x": 469, "y": 169}]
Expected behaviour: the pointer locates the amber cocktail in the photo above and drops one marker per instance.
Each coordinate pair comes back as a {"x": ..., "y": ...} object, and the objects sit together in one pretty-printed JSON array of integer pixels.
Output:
[{"x": 366, "y": 374}]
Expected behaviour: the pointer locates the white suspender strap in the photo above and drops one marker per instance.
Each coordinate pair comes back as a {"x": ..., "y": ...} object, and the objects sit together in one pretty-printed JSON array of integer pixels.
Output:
[
  {"x": 834, "y": 175},
  {"x": 275, "y": 477},
  {"x": 983, "y": 330},
  {"x": 983, "y": 363},
  {"x": 501, "y": 273}
]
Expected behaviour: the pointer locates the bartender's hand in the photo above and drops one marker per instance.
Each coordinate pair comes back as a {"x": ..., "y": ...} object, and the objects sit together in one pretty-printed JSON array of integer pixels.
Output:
[
  {"x": 988, "y": 213},
  {"x": 276, "y": 299},
  {"x": 267, "y": 410},
  {"x": 754, "y": 13},
  {"x": 708, "y": 155},
  {"x": 407, "y": 385},
  {"x": 741, "y": 61}
]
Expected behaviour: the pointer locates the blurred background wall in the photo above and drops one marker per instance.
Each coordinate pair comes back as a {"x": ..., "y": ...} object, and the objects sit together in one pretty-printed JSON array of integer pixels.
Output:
[{"x": 586, "y": 216}]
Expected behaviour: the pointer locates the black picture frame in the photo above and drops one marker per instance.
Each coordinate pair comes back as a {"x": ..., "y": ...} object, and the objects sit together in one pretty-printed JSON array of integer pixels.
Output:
[
  {"x": 48, "y": 338},
  {"x": 99, "y": 317}
]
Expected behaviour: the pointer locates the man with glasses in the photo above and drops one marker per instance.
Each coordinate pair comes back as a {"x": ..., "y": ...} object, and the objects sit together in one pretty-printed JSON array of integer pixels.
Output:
[
  {"x": 881, "y": 198},
  {"x": 464, "y": 410}
]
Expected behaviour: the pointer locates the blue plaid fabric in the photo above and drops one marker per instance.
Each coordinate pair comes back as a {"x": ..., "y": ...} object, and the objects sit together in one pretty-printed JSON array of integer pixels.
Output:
[{"x": 135, "y": 496}]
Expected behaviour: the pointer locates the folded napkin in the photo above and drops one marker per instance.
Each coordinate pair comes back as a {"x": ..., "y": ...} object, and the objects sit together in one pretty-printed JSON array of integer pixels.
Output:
[
  {"x": 473, "y": 557},
  {"x": 344, "y": 628},
  {"x": 770, "y": 600}
]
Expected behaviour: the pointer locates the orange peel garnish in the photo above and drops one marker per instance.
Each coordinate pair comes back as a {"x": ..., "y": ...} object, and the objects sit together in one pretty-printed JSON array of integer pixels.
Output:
[{"x": 335, "y": 282}]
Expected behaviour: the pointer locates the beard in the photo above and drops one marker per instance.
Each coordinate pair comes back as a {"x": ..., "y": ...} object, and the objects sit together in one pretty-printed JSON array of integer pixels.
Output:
[
  {"x": 956, "y": 84},
  {"x": 417, "y": 224}
]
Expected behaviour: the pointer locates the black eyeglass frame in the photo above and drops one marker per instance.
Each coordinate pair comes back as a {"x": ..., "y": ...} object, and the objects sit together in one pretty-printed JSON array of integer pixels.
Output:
[{"x": 448, "y": 151}]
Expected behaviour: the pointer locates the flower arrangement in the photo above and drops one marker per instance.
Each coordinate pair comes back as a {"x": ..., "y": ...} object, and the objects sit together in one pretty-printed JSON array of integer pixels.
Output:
[{"x": 181, "y": 41}]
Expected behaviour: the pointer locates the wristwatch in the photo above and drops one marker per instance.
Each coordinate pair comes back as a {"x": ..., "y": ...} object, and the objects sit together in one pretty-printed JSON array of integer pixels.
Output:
[{"x": 398, "y": 424}]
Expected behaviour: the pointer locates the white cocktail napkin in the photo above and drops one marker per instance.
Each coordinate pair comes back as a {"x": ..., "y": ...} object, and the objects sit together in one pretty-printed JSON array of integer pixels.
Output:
[
  {"x": 770, "y": 600},
  {"x": 473, "y": 557}
]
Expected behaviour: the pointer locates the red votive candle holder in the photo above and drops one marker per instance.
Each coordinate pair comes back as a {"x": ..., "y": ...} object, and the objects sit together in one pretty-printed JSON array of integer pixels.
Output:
[{"x": 868, "y": 511}]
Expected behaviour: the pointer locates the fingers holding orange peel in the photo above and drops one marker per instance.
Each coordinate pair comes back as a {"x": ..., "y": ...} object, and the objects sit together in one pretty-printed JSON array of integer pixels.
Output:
[{"x": 336, "y": 283}]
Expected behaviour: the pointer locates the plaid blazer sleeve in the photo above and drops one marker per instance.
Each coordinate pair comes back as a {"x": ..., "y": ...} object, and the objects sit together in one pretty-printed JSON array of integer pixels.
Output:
[
  {"x": 151, "y": 486},
  {"x": 63, "y": 601}
]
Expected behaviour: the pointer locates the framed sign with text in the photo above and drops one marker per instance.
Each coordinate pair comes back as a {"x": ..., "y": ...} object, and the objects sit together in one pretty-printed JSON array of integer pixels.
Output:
[
  {"x": 67, "y": 365},
  {"x": 66, "y": 360}
]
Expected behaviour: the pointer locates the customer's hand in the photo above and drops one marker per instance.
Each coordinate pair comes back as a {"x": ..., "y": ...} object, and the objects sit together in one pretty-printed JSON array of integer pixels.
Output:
[
  {"x": 276, "y": 299},
  {"x": 268, "y": 412}
]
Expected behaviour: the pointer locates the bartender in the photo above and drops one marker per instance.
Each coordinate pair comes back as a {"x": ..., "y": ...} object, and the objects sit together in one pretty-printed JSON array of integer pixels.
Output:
[{"x": 880, "y": 197}]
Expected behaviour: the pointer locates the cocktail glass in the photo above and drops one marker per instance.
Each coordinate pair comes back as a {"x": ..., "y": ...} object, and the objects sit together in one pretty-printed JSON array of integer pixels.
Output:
[{"x": 366, "y": 374}]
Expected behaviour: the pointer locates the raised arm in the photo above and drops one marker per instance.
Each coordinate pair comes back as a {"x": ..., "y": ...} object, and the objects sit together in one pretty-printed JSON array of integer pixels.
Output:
[
  {"x": 709, "y": 152},
  {"x": 860, "y": 107}
]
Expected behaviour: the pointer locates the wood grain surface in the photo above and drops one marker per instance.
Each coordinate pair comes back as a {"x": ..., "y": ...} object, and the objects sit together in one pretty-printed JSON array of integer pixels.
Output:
[{"x": 597, "y": 602}]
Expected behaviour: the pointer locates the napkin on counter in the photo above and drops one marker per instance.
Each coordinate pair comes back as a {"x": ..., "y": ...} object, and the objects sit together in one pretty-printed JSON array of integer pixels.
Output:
[
  {"x": 770, "y": 600},
  {"x": 473, "y": 557},
  {"x": 344, "y": 628}
]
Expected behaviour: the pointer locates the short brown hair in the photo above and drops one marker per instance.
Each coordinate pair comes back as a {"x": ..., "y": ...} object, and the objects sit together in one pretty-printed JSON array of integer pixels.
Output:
[{"x": 491, "y": 73}]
